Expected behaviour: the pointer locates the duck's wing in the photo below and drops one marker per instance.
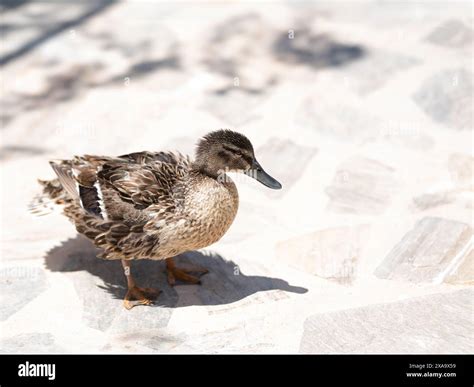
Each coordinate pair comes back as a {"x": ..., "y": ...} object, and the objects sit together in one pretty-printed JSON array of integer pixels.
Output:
[
  {"x": 144, "y": 179},
  {"x": 146, "y": 157}
]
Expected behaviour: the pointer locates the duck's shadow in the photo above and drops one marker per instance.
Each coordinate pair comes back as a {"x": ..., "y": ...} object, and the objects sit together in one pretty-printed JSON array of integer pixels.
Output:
[{"x": 224, "y": 283}]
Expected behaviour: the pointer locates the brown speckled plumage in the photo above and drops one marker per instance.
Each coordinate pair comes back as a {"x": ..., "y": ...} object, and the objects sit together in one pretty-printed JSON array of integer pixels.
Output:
[
  {"x": 157, "y": 206},
  {"x": 154, "y": 205}
]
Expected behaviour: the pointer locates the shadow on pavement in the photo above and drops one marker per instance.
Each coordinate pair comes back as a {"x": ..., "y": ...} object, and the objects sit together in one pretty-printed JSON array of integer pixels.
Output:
[
  {"x": 95, "y": 9},
  {"x": 223, "y": 284}
]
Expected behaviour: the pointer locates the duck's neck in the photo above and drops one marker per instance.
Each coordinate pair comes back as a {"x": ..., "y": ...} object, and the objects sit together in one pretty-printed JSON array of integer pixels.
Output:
[{"x": 203, "y": 167}]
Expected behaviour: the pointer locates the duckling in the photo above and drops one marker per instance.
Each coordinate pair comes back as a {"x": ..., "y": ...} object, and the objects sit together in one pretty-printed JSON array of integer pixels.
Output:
[{"x": 155, "y": 205}]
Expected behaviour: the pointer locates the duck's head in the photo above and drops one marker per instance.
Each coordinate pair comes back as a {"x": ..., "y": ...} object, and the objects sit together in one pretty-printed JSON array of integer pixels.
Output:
[{"x": 226, "y": 150}]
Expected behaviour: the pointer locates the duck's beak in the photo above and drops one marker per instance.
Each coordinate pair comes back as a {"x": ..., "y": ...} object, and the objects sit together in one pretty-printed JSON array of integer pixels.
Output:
[{"x": 263, "y": 177}]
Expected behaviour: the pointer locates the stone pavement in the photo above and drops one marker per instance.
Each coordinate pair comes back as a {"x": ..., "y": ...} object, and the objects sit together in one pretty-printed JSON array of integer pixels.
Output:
[{"x": 363, "y": 111}]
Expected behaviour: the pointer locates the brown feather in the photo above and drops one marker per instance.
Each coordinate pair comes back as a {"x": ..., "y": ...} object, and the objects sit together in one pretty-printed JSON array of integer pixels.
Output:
[{"x": 158, "y": 204}]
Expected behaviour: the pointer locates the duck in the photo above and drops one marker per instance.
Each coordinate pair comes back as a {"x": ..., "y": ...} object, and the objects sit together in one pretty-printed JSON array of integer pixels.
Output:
[{"x": 155, "y": 205}]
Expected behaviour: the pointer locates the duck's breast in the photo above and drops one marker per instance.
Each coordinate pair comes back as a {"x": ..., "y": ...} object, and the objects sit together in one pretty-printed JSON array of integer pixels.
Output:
[{"x": 210, "y": 209}]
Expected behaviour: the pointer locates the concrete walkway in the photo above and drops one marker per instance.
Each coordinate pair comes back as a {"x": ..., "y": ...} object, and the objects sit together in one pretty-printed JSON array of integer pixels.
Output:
[{"x": 363, "y": 111}]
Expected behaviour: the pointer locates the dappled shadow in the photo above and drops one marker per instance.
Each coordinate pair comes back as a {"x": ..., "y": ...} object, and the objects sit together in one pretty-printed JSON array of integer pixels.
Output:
[
  {"x": 8, "y": 28},
  {"x": 63, "y": 79},
  {"x": 144, "y": 68},
  {"x": 223, "y": 284},
  {"x": 68, "y": 84},
  {"x": 229, "y": 90},
  {"x": 242, "y": 32},
  {"x": 60, "y": 88},
  {"x": 239, "y": 47},
  {"x": 12, "y": 4},
  {"x": 92, "y": 9},
  {"x": 254, "y": 41},
  {"x": 250, "y": 51},
  {"x": 13, "y": 151},
  {"x": 109, "y": 42},
  {"x": 254, "y": 57},
  {"x": 315, "y": 50}
]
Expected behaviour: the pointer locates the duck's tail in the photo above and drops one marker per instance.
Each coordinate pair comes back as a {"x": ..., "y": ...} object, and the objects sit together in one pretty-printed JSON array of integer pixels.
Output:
[
  {"x": 56, "y": 192},
  {"x": 49, "y": 200}
]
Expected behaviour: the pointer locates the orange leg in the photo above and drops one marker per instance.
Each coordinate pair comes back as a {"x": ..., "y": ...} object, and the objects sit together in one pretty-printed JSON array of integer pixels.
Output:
[
  {"x": 182, "y": 274},
  {"x": 136, "y": 295}
]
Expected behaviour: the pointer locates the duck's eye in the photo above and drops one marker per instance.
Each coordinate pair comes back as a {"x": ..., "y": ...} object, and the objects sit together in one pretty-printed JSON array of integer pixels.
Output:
[{"x": 233, "y": 150}]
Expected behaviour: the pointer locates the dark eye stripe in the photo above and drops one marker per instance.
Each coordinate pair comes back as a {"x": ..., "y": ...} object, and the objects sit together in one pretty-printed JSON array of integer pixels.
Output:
[
  {"x": 234, "y": 150},
  {"x": 248, "y": 159}
]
